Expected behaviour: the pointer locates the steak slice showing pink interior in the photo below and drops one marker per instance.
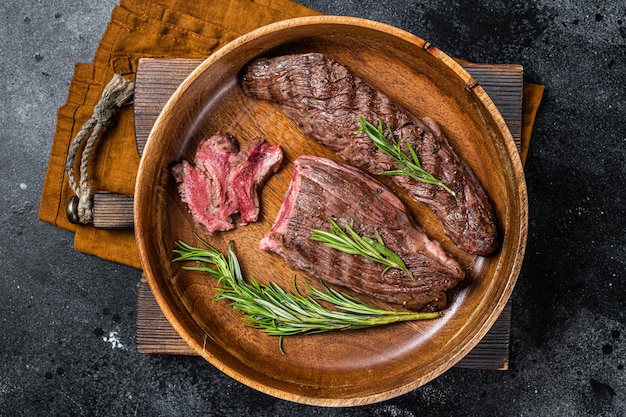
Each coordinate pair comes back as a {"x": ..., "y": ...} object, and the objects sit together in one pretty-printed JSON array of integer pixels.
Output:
[
  {"x": 254, "y": 166},
  {"x": 324, "y": 98},
  {"x": 204, "y": 185},
  {"x": 223, "y": 180},
  {"x": 321, "y": 189}
]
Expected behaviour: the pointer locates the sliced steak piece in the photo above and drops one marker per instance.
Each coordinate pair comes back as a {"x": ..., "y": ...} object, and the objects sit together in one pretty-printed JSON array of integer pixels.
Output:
[
  {"x": 254, "y": 166},
  {"x": 321, "y": 189},
  {"x": 204, "y": 185},
  {"x": 223, "y": 180},
  {"x": 325, "y": 99}
]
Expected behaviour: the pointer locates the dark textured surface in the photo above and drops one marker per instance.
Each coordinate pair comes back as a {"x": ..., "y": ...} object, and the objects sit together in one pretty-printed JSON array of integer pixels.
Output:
[{"x": 67, "y": 319}]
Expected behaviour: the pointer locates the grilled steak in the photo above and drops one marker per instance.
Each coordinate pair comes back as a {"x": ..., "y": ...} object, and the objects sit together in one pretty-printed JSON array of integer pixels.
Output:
[
  {"x": 324, "y": 99},
  {"x": 223, "y": 180},
  {"x": 321, "y": 189}
]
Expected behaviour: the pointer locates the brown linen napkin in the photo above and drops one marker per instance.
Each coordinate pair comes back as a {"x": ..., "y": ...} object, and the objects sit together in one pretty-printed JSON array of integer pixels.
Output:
[
  {"x": 531, "y": 99},
  {"x": 138, "y": 28},
  {"x": 157, "y": 29}
]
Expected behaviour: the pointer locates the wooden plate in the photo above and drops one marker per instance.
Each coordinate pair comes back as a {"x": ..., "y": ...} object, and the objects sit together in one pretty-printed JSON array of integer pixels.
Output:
[{"x": 341, "y": 368}]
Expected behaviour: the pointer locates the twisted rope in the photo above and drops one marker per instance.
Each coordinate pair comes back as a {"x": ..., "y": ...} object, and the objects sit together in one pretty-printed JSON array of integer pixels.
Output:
[{"x": 117, "y": 93}]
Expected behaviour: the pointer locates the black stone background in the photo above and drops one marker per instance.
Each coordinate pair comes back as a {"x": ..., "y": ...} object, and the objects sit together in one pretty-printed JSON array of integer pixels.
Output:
[{"x": 67, "y": 320}]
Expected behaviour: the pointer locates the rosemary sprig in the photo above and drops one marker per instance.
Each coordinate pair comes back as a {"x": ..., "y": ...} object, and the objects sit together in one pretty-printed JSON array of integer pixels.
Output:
[
  {"x": 352, "y": 243},
  {"x": 409, "y": 165},
  {"x": 271, "y": 309}
]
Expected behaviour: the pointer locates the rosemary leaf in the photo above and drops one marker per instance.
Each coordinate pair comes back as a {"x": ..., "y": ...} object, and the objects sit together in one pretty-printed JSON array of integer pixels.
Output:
[
  {"x": 352, "y": 243},
  {"x": 273, "y": 310},
  {"x": 408, "y": 165}
]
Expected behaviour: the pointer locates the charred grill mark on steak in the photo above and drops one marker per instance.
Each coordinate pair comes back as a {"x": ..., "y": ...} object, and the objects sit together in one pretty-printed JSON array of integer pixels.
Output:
[
  {"x": 223, "y": 180},
  {"x": 321, "y": 189},
  {"x": 324, "y": 99}
]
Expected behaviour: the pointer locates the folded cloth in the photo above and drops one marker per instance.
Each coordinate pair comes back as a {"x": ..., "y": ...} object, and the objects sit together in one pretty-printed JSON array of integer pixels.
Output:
[
  {"x": 156, "y": 29},
  {"x": 531, "y": 99},
  {"x": 137, "y": 29}
]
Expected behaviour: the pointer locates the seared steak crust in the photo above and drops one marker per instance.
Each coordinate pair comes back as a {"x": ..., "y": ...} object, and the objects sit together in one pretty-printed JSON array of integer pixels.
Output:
[
  {"x": 321, "y": 189},
  {"x": 324, "y": 99}
]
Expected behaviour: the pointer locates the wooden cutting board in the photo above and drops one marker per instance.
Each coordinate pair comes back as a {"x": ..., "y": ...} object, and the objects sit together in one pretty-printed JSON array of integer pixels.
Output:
[{"x": 156, "y": 81}]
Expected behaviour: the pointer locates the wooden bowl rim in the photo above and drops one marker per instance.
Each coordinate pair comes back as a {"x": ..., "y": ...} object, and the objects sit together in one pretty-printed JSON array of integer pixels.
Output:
[{"x": 470, "y": 83}]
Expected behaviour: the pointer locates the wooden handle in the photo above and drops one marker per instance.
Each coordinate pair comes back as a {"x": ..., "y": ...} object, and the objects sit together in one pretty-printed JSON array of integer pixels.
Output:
[{"x": 112, "y": 211}]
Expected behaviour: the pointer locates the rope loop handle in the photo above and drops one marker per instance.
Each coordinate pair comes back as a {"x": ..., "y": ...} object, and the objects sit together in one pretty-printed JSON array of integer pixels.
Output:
[{"x": 117, "y": 93}]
